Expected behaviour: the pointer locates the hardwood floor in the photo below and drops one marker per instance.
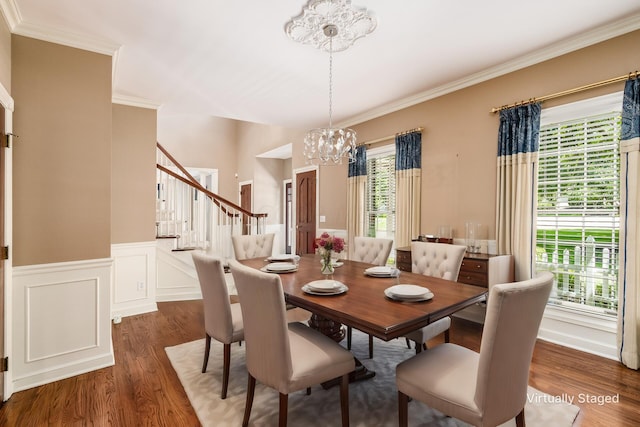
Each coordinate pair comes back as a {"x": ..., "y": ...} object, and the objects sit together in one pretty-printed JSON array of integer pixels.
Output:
[{"x": 143, "y": 389}]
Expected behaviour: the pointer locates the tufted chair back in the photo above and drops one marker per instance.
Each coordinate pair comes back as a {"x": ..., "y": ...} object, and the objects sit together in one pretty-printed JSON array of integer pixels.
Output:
[
  {"x": 371, "y": 250},
  {"x": 252, "y": 245},
  {"x": 437, "y": 259}
]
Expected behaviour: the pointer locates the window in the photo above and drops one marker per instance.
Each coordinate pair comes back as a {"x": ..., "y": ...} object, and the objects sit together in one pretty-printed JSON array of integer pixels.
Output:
[
  {"x": 579, "y": 203},
  {"x": 381, "y": 194}
]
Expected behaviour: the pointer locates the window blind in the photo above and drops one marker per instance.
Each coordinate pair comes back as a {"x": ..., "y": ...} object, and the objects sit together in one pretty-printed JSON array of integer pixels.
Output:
[
  {"x": 578, "y": 209},
  {"x": 381, "y": 196}
]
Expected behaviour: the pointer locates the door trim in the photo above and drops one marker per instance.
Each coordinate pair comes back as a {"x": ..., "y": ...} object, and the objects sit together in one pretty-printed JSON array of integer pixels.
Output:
[
  {"x": 286, "y": 182},
  {"x": 294, "y": 243},
  {"x": 7, "y": 334}
]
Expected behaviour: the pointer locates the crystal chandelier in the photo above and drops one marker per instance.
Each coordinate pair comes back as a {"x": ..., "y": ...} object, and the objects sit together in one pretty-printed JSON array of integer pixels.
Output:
[{"x": 331, "y": 26}]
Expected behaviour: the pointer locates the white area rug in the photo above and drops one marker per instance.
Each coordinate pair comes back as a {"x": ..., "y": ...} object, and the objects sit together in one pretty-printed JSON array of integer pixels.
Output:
[{"x": 371, "y": 403}]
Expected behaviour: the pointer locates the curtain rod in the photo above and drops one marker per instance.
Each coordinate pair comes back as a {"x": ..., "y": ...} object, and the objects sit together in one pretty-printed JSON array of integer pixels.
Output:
[
  {"x": 385, "y": 138},
  {"x": 568, "y": 92}
]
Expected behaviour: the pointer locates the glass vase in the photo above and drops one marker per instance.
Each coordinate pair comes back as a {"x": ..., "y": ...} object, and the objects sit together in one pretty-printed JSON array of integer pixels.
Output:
[{"x": 326, "y": 264}]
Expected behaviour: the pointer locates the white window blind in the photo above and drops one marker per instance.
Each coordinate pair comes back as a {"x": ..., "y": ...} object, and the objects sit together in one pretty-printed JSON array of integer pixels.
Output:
[
  {"x": 381, "y": 195},
  {"x": 578, "y": 210}
]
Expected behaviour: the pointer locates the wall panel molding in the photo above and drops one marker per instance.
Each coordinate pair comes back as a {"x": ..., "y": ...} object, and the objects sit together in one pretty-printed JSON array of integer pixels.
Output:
[
  {"x": 134, "y": 279},
  {"x": 61, "y": 321}
]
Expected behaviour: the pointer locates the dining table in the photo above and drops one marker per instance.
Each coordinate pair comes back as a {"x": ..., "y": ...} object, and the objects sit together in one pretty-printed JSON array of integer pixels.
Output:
[{"x": 364, "y": 305}]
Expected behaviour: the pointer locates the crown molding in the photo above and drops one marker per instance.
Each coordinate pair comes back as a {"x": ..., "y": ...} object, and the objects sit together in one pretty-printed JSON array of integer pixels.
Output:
[
  {"x": 17, "y": 25},
  {"x": 133, "y": 101},
  {"x": 84, "y": 42},
  {"x": 10, "y": 13},
  {"x": 618, "y": 28}
]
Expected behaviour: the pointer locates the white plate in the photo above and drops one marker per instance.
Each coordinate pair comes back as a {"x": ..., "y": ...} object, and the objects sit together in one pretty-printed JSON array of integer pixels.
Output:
[
  {"x": 281, "y": 257},
  {"x": 424, "y": 297},
  {"x": 325, "y": 285},
  {"x": 381, "y": 271},
  {"x": 279, "y": 267},
  {"x": 342, "y": 289},
  {"x": 408, "y": 291},
  {"x": 337, "y": 264}
]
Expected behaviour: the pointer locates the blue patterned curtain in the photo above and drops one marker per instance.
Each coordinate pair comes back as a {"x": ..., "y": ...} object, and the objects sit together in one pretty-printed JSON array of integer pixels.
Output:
[
  {"x": 629, "y": 274},
  {"x": 408, "y": 181},
  {"x": 357, "y": 186},
  {"x": 518, "y": 139}
]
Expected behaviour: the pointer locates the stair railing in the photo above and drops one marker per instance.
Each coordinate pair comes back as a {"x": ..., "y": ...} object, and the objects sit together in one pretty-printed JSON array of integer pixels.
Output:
[{"x": 190, "y": 213}]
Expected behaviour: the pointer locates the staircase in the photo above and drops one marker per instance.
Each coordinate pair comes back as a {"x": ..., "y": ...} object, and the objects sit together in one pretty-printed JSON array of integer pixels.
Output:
[{"x": 190, "y": 216}]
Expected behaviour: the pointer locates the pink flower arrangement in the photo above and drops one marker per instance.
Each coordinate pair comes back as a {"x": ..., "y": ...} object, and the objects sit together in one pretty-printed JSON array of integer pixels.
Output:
[{"x": 326, "y": 242}]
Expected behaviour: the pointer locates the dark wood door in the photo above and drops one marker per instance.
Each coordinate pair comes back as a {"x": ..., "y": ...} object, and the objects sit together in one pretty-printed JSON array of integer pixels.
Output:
[
  {"x": 3, "y": 138},
  {"x": 245, "y": 203},
  {"x": 305, "y": 212}
]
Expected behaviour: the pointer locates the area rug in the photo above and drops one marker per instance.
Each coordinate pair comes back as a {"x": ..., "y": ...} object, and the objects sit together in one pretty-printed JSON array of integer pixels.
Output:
[{"x": 371, "y": 403}]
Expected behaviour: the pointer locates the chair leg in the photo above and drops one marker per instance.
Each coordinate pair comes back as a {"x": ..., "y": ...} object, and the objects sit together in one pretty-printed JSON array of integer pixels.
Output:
[
  {"x": 520, "y": 419},
  {"x": 308, "y": 391},
  {"x": 349, "y": 331},
  {"x": 207, "y": 347},
  {"x": 225, "y": 370},
  {"x": 403, "y": 410},
  {"x": 370, "y": 346},
  {"x": 418, "y": 347},
  {"x": 251, "y": 388},
  {"x": 344, "y": 400},
  {"x": 446, "y": 336},
  {"x": 284, "y": 407}
]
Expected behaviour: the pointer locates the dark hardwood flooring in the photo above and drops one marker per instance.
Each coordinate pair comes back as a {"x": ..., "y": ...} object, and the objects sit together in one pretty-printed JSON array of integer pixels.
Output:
[{"x": 142, "y": 389}]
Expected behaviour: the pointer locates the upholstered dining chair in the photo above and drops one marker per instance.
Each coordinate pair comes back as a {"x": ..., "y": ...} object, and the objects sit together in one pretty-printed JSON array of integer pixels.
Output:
[
  {"x": 252, "y": 245},
  {"x": 222, "y": 320},
  {"x": 490, "y": 387},
  {"x": 371, "y": 250},
  {"x": 285, "y": 356},
  {"x": 437, "y": 260}
]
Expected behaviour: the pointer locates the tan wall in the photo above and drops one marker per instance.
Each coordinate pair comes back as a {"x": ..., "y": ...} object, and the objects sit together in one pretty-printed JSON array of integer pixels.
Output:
[
  {"x": 267, "y": 174},
  {"x": 62, "y": 164},
  {"x": 203, "y": 142},
  {"x": 5, "y": 56},
  {"x": 459, "y": 143},
  {"x": 133, "y": 211}
]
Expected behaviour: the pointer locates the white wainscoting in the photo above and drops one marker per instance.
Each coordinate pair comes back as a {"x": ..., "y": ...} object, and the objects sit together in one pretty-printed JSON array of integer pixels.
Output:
[
  {"x": 134, "y": 279},
  {"x": 592, "y": 333},
  {"x": 177, "y": 279},
  {"x": 61, "y": 321}
]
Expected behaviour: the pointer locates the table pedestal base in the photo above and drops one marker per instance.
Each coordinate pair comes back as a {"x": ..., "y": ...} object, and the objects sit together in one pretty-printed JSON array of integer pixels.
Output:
[
  {"x": 336, "y": 332},
  {"x": 328, "y": 327}
]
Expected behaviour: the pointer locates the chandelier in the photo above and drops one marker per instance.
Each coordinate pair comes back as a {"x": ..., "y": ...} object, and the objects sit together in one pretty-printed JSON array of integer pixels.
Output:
[{"x": 331, "y": 26}]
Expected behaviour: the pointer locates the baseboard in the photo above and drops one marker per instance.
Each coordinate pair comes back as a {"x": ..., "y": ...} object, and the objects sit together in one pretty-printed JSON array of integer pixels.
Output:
[
  {"x": 178, "y": 296},
  {"x": 36, "y": 379},
  {"x": 134, "y": 310}
]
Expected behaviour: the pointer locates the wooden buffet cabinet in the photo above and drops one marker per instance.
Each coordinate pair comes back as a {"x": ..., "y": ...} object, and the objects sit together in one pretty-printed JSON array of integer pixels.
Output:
[{"x": 476, "y": 269}]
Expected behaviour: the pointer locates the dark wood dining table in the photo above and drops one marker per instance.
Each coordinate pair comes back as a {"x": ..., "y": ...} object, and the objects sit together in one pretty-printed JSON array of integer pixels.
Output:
[{"x": 364, "y": 306}]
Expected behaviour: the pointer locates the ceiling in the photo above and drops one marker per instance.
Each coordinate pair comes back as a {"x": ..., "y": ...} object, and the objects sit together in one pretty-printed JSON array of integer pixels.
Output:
[{"x": 232, "y": 59}]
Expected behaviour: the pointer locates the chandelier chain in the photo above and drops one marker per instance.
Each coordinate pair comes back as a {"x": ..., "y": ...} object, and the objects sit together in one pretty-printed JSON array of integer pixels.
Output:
[{"x": 330, "y": 81}]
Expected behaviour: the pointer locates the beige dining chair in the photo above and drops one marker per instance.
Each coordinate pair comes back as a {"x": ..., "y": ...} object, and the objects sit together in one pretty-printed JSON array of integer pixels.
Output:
[
  {"x": 252, "y": 245},
  {"x": 284, "y": 356},
  {"x": 222, "y": 320},
  {"x": 436, "y": 260},
  {"x": 372, "y": 250},
  {"x": 490, "y": 387}
]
